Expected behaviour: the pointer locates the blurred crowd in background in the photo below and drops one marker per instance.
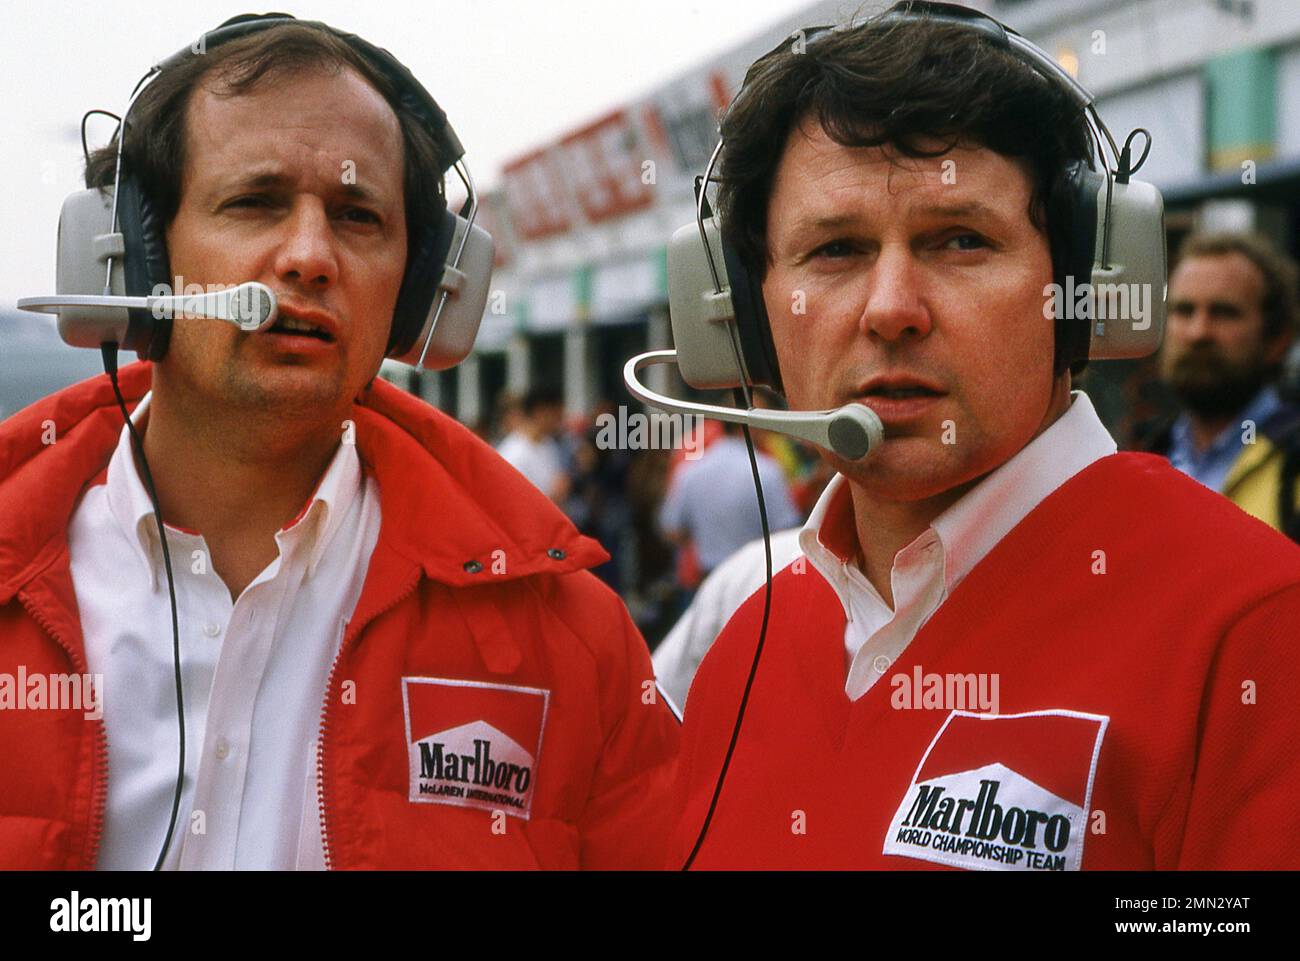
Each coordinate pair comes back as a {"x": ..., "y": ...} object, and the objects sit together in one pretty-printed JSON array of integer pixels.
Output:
[{"x": 666, "y": 517}]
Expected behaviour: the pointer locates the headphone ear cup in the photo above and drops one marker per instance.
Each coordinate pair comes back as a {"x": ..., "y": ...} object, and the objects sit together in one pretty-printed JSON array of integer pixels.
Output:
[
  {"x": 83, "y": 252},
  {"x": 426, "y": 256},
  {"x": 1128, "y": 314},
  {"x": 146, "y": 267},
  {"x": 700, "y": 315},
  {"x": 1123, "y": 313},
  {"x": 446, "y": 344},
  {"x": 1072, "y": 235},
  {"x": 751, "y": 320}
]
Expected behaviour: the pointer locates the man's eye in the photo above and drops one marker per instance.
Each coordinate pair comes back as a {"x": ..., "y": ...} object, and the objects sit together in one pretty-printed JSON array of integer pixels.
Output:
[
  {"x": 367, "y": 216},
  {"x": 967, "y": 241},
  {"x": 249, "y": 201},
  {"x": 834, "y": 249}
]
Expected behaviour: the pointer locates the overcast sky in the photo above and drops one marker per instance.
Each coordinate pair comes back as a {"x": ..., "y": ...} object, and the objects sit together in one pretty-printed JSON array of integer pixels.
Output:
[{"x": 511, "y": 74}]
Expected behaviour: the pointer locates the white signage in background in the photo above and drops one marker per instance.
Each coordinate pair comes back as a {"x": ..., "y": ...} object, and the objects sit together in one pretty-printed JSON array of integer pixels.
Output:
[
  {"x": 624, "y": 288},
  {"x": 553, "y": 303}
]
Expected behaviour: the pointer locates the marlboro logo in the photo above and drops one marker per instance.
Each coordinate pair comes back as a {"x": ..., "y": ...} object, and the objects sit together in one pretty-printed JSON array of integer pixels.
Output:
[
  {"x": 1004, "y": 792},
  {"x": 473, "y": 744}
]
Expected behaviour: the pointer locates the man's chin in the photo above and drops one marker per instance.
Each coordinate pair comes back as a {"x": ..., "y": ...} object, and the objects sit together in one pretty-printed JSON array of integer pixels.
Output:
[
  {"x": 904, "y": 469},
  {"x": 1220, "y": 399},
  {"x": 299, "y": 389}
]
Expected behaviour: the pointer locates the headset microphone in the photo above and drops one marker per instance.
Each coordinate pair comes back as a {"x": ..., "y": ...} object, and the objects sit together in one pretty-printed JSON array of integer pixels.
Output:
[
  {"x": 851, "y": 432},
  {"x": 249, "y": 306}
]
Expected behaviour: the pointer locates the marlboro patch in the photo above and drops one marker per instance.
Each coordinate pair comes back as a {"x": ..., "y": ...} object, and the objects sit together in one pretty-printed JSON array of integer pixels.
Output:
[
  {"x": 473, "y": 744},
  {"x": 1002, "y": 792}
]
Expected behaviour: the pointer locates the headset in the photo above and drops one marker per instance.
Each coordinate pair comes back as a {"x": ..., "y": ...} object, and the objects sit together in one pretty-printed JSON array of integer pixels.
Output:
[
  {"x": 1108, "y": 229},
  {"x": 113, "y": 263},
  {"x": 108, "y": 279}
]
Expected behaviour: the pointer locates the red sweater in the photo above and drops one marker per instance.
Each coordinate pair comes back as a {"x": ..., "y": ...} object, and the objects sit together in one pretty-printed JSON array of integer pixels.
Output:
[{"x": 1157, "y": 728}]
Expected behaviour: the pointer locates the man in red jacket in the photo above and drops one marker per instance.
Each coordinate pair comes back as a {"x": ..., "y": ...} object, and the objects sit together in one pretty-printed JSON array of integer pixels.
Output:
[
  {"x": 1007, "y": 647},
  {"x": 391, "y": 651}
]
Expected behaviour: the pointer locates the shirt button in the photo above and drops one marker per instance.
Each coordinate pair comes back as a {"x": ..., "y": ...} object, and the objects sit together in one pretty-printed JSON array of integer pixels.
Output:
[
  {"x": 212, "y": 630},
  {"x": 222, "y": 749}
]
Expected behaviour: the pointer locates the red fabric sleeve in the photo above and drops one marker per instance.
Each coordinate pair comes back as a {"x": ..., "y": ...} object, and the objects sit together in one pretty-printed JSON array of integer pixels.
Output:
[
  {"x": 625, "y": 824},
  {"x": 1246, "y": 784}
]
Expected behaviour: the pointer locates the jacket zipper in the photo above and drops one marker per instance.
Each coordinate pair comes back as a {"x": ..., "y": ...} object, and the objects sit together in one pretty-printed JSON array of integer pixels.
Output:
[
  {"x": 352, "y": 636},
  {"x": 99, "y": 795}
]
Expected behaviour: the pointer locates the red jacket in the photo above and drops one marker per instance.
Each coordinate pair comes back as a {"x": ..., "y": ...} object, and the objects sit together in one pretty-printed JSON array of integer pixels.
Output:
[
  {"x": 490, "y": 671},
  {"x": 1146, "y": 712}
]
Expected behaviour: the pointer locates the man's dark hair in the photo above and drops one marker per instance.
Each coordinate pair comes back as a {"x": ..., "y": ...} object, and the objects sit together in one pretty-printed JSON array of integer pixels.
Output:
[
  {"x": 1278, "y": 305},
  {"x": 895, "y": 85},
  {"x": 155, "y": 148}
]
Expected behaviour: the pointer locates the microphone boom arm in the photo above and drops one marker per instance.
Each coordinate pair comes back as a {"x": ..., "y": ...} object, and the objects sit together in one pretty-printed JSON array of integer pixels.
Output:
[
  {"x": 249, "y": 306},
  {"x": 851, "y": 432}
]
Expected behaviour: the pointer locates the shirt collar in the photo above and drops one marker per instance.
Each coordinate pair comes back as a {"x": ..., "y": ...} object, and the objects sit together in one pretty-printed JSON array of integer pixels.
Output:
[
  {"x": 336, "y": 492},
  {"x": 1262, "y": 406},
  {"x": 1266, "y": 403},
  {"x": 829, "y": 540},
  {"x": 972, "y": 526},
  {"x": 128, "y": 501},
  {"x": 313, "y": 528}
]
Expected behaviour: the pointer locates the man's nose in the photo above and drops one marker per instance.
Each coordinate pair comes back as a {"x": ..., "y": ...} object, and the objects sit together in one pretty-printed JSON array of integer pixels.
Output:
[
  {"x": 894, "y": 306},
  {"x": 1197, "y": 325},
  {"x": 306, "y": 254}
]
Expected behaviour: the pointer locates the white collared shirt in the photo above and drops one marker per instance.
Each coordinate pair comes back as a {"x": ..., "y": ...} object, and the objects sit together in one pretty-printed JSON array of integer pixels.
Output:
[
  {"x": 254, "y": 671},
  {"x": 928, "y": 570}
]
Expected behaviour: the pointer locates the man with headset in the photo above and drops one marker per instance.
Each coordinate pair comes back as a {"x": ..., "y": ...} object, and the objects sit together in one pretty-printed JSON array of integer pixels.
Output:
[
  {"x": 387, "y": 647},
  {"x": 1007, "y": 647}
]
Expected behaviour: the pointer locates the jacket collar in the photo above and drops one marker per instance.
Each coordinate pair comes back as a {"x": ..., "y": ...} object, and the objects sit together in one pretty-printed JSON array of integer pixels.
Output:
[
  {"x": 311, "y": 531},
  {"x": 449, "y": 503}
]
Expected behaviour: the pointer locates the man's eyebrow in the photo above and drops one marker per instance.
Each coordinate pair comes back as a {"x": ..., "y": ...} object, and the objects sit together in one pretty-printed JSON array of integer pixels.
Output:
[
  {"x": 970, "y": 208},
  {"x": 826, "y": 222},
  {"x": 278, "y": 180},
  {"x": 1215, "y": 306},
  {"x": 1225, "y": 307}
]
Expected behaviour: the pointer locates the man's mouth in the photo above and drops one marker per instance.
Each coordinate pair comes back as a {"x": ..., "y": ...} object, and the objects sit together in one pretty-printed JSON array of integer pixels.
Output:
[
  {"x": 898, "y": 397},
  {"x": 299, "y": 328},
  {"x": 897, "y": 393}
]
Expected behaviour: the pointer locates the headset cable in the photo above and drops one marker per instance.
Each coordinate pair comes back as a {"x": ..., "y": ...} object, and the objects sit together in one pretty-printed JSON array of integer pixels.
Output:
[{"x": 109, "y": 351}]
